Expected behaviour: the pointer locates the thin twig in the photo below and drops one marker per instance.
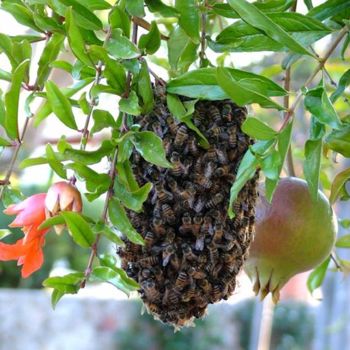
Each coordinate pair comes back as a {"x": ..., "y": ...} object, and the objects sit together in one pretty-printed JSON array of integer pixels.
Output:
[
  {"x": 145, "y": 25},
  {"x": 334, "y": 259},
  {"x": 112, "y": 174},
  {"x": 202, "y": 55},
  {"x": 18, "y": 146},
  {"x": 319, "y": 67}
]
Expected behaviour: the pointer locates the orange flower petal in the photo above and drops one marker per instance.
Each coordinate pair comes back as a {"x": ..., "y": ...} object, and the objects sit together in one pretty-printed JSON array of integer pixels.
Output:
[
  {"x": 34, "y": 258},
  {"x": 12, "y": 251}
]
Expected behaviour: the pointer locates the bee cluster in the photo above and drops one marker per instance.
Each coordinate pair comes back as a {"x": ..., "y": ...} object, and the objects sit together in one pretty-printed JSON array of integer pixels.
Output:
[{"x": 192, "y": 250}]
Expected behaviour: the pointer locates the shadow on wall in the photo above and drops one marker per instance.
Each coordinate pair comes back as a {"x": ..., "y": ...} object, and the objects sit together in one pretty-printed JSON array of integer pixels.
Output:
[{"x": 85, "y": 323}]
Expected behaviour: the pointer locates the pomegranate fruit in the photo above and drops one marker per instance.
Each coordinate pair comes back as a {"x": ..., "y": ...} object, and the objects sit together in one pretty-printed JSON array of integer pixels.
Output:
[{"x": 292, "y": 234}]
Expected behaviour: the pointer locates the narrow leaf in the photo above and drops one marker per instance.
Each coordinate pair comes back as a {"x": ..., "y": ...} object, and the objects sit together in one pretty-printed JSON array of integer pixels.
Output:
[
  {"x": 338, "y": 183},
  {"x": 317, "y": 276},
  {"x": 257, "y": 129}
]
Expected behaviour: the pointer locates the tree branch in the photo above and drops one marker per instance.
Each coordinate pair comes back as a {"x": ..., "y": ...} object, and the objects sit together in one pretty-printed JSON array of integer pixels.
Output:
[
  {"x": 145, "y": 25},
  {"x": 322, "y": 62}
]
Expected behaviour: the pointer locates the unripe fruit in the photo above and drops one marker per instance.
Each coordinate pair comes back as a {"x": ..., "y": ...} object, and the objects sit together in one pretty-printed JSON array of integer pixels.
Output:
[
  {"x": 292, "y": 234},
  {"x": 62, "y": 196}
]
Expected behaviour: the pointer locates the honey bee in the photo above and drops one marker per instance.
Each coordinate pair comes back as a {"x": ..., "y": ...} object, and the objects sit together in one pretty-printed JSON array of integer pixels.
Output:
[
  {"x": 188, "y": 193},
  {"x": 206, "y": 227},
  {"x": 218, "y": 198},
  {"x": 196, "y": 273},
  {"x": 197, "y": 223},
  {"x": 192, "y": 146},
  {"x": 232, "y": 140},
  {"x": 181, "y": 136},
  {"x": 153, "y": 308},
  {"x": 199, "y": 205},
  {"x": 222, "y": 171},
  {"x": 168, "y": 214},
  {"x": 216, "y": 293},
  {"x": 227, "y": 112},
  {"x": 205, "y": 286},
  {"x": 149, "y": 239},
  {"x": 178, "y": 168},
  {"x": 216, "y": 131},
  {"x": 173, "y": 185},
  {"x": 189, "y": 294},
  {"x": 200, "y": 301},
  {"x": 144, "y": 274},
  {"x": 209, "y": 169},
  {"x": 213, "y": 252},
  {"x": 172, "y": 125},
  {"x": 148, "y": 262},
  {"x": 186, "y": 226},
  {"x": 171, "y": 296},
  {"x": 202, "y": 180},
  {"x": 211, "y": 154},
  {"x": 167, "y": 254},
  {"x": 157, "y": 128},
  {"x": 221, "y": 156},
  {"x": 158, "y": 226},
  {"x": 182, "y": 280},
  {"x": 215, "y": 113},
  {"x": 167, "y": 144},
  {"x": 187, "y": 253},
  {"x": 218, "y": 232},
  {"x": 199, "y": 115},
  {"x": 150, "y": 290},
  {"x": 163, "y": 195},
  {"x": 232, "y": 154}
]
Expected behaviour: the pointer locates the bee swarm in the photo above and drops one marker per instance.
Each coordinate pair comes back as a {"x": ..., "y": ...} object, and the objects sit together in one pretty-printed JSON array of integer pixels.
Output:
[{"x": 192, "y": 251}]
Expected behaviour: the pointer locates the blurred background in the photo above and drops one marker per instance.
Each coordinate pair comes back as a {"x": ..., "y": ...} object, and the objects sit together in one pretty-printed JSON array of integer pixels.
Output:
[{"x": 101, "y": 317}]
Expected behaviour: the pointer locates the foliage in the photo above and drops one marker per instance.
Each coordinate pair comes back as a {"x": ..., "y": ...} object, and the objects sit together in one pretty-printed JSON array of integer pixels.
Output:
[{"x": 109, "y": 59}]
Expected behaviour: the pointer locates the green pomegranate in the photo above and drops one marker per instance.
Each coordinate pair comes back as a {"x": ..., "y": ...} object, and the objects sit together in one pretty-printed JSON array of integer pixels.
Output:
[{"x": 293, "y": 234}]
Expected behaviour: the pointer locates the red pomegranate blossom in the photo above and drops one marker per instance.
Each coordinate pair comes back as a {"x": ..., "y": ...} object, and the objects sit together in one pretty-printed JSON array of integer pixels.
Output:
[
  {"x": 31, "y": 213},
  {"x": 27, "y": 250}
]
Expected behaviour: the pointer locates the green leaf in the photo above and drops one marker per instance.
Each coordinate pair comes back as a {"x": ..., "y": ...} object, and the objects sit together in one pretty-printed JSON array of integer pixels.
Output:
[
  {"x": 284, "y": 139},
  {"x": 11, "y": 196},
  {"x": 240, "y": 94},
  {"x": 95, "y": 182},
  {"x": 56, "y": 296},
  {"x": 150, "y": 42},
  {"x": 55, "y": 220},
  {"x": 102, "y": 119},
  {"x": 60, "y": 105},
  {"x": 258, "y": 130},
  {"x": 189, "y": 19},
  {"x": 246, "y": 171},
  {"x": 329, "y": 8},
  {"x": 22, "y": 50},
  {"x": 4, "y": 143},
  {"x": 132, "y": 200},
  {"x": 119, "y": 219},
  {"x": 68, "y": 284},
  {"x": 119, "y": 46},
  {"x": 150, "y": 146},
  {"x": 145, "y": 90},
  {"x": 49, "y": 54},
  {"x": 5, "y": 75},
  {"x": 271, "y": 165},
  {"x": 32, "y": 162},
  {"x": 250, "y": 14},
  {"x": 130, "y": 105},
  {"x": 243, "y": 37},
  {"x": 343, "y": 242},
  {"x": 80, "y": 230},
  {"x": 84, "y": 17},
  {"x": 339, "y": 141},
  {"x": 338, "y": 183},
  {"x": 116, "y": 277},
  {"x": 182, "y": 52},
  {"x": 54, "y": 163},
  {"x": 317, "y": 276},
  {"x": 177, "y": 108},
  {"x": 162, "y": 9},
  {"x": 126, "y": 176},
  {"x": 119, "y": 19},
  {"x": 226, "y": 10},
  {"x": 86, "y": 157},
  {"x": 312, "y": 165},
  {"x": 135, "y": 8},
  {"x": 109, "y": 233},
  {"x": 75, "y": 38},
  {"x": 6, "y": 46},
  {"x": 202, "y": 83},
  {"x": 21, "y": 13},
  {"x": 318, "y": 104},
  {"x": 12, "y": 100},
  {"x": 344, "y": 81}
]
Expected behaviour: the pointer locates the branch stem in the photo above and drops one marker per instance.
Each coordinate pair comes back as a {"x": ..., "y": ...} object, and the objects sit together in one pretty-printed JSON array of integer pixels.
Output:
[{"x": 322, "y": 61}]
